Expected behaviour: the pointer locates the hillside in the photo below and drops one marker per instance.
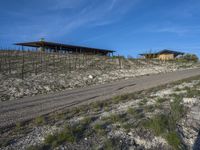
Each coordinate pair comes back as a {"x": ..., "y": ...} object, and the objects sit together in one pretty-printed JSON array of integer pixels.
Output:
[{"x": 28, "y": 73}]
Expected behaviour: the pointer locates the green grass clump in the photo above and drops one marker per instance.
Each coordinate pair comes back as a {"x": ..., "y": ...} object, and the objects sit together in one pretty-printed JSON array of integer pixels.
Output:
[
  {"x": 149, "y": 108},
  {"x": 4, "y": 142},
  {"x": 165, "y": 124},
  {"x": 69, "y": 134},
  {"x": 120, "y": 98},
  {"x": 18, "y": 126},
  {"x": 128, "y": 126},
  {"x": 131, "y": 111},
  {"x": 177, "y": 89},
  {"x": 161, "y": 100},
  {"x": 50, "y": 138},
  {"x": 174, "y": 140},
  {"x": 161, "y": 126},
  {"x": 38, "y": 147},
  {"x": 96, "y": 106},
  {"x": 177, "y": 111},
  {"x": 100, "y": 128},
  {"x": 108, "y": 145},
  {"x": 158, "y": 124},
  {"x": 192, "y": 92},
  {"x": 137, "y": 113},
  {"x": 114, "y": 118},
  {"x": 39, "y": 120},
  {"x": 57, "y": 139},
  {"x": 143, "y": 102}
]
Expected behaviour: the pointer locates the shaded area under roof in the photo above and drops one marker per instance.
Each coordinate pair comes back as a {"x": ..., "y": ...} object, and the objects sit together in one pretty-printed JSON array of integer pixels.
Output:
[{"x": 64, "y": 47}]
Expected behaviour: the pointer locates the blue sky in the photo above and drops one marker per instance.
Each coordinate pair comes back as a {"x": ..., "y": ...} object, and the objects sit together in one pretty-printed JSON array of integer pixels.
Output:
[{"x": 128, "y": 26}]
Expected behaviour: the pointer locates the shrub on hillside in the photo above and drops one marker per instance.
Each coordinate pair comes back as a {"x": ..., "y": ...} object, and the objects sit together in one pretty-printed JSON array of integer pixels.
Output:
[{"x": 190, "y": 57}]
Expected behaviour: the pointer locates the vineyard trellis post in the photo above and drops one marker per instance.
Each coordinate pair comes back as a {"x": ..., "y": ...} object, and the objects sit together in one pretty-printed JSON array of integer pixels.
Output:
[
  {"x": 22, "y": 73},
  {"x": 120, "y": 63}
]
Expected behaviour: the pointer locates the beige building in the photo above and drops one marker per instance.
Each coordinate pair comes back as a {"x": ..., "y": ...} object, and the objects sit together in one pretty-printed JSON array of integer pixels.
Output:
[
  {"x": 162, "y": 55},
  {"x": 166, "y": 56}
]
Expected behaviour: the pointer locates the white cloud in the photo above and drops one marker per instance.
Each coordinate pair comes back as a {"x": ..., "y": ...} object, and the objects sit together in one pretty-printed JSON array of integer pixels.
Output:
[
  {"x": 95, "y": 14},
  {"x": 172, "y": 28},
  {"x": 61, "y": 17}
]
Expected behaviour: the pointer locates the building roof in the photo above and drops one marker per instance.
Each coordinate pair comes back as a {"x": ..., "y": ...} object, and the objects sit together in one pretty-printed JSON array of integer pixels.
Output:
[
  {"x": 165, "y": 51},
  {"x": 60, "y": 46}
]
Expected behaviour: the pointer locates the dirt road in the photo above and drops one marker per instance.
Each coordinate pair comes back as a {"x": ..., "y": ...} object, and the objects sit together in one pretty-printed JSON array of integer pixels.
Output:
[{"x": 31, "y": 107}]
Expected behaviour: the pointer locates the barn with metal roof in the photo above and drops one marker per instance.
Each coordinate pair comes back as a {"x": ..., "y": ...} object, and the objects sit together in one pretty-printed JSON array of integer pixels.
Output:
[{"x": 66, "y": 48}]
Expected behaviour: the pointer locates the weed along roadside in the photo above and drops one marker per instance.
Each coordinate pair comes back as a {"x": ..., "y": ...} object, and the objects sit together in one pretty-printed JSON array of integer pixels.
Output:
[{"x": 158, "y": 118}]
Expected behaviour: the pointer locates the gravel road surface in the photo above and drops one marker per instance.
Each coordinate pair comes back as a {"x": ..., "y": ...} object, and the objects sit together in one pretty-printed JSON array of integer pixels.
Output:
[{"x": 31, "y": 107}]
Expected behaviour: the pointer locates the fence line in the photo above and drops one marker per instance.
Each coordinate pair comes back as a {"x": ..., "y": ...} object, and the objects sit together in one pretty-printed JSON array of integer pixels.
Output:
[{"x": 23, "y": 63}]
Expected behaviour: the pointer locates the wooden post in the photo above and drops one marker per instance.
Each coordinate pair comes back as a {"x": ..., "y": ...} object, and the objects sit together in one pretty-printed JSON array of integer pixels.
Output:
[
  {"x": 9, "y": 62},
  {"x": 47, "y": 61},
  {"x": 54, "y": 63},
  {"x": 1, "y": 62},
  {"x": 120, "y": 63},
  {"x": 65, "y": 63},
  {"x": 41, "y": 61},
  {"x": 36, "y": 65},
  {"x": 75, "y": 59},
  {"x": 22, "y": 63}
]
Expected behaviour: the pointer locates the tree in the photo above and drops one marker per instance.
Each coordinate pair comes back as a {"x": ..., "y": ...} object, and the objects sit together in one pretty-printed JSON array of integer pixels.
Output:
[{"x": 190, "y": 57}]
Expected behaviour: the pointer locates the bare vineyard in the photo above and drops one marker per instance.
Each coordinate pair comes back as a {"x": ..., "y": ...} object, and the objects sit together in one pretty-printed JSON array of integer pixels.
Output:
[
  {"x": 23, "y": 63},
  {"x": 20, "y": 64}
]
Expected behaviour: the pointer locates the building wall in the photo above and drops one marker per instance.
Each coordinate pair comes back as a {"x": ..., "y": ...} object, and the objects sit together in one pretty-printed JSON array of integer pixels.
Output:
[
  {"x": 150, "y": 56},
  {"x": 166, "y": 56}
]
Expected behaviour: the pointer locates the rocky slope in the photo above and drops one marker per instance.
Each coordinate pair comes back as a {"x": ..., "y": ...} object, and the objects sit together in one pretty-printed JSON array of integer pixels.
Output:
[{"x": 12, "y": 88}]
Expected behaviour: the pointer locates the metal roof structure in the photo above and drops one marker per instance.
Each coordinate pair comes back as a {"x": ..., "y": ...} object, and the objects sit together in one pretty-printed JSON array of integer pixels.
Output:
[
  {"x": 165, "y": 51},
  {"x": 64, "y": 47}
]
